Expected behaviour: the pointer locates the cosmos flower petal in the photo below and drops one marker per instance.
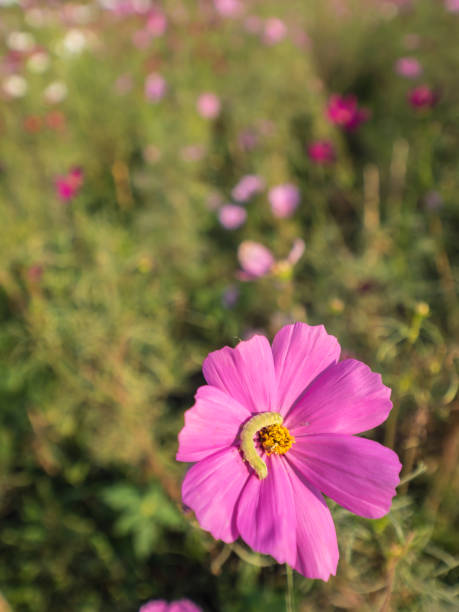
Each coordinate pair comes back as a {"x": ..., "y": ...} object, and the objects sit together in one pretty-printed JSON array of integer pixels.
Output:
[
  {"x": 300, "y": 352},
  {"x": 359, "y": 474},
  {"x": 246, "y": 373},
  {"x": 212, "y": 424},
  {"x": 183, "y": 605},
  {"x": 212, "y": 488},
  {"x": 266, "y": 513},
  {"x": 346, "y": 398},
  {"x": 317, "y": 548}
]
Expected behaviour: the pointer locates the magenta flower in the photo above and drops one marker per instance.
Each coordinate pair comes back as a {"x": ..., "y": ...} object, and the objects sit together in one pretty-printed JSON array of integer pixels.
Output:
[
  {"x": 208, "y": 105},
  {"x": 232, "y": 216},
  {"x": 344, "y": 111},
  {"x": 408, "y": 67},
  {"x": 271, "y": 430},
  {"x": 284, "y": 199},
  {"x": 321, "y": 152},
  {"x": 422, "y": 97},
  {"x": 255, "y": 259},
  {"x": 248, "y": 186},
  {"x": 155, "y": 87},
  {"x": 160, "y": 605},
  {"x": 68, "y": 186}
]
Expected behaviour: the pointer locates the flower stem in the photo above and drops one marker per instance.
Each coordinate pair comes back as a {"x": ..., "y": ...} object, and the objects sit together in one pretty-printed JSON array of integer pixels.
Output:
[{"x": 290, "y": 595}]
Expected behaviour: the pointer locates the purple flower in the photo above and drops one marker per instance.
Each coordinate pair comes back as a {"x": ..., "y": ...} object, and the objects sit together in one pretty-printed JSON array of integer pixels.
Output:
[
  {"x": 408, "y": 67},
  {"x": 155, "y": 87},
  {"x": 272, "y": 429},
  {"x": 160, "y": 605},
  {"x": 232, "y": 216},
  {"x": 284, "y": 199},
  {"x": 208, "y": 105},
  {"x": 248, "y": 186}
]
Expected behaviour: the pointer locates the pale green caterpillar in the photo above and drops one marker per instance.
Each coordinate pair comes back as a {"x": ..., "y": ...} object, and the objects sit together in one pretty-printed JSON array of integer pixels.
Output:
[{"x": 257, "y": 422}]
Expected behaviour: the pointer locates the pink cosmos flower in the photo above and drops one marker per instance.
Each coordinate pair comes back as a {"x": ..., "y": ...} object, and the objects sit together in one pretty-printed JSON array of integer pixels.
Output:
[
  {"x": 232, "y": 216},
  {"x": 272, "y": 429},
  {"x": 321, "y": 152},
  {"x": 255, "y": 259},
  {"x": 284, "y": 199},
  {"x": 160, "y": 605},
  {"x": 422, "y": 97},
  {"x": 408, "y": 67},
  {"x": 275, "y": 30},
  {"x": 156, "y": 22},
  {"x": 208, "y": 105},
  {"x": 155, "y": 87},
  {"x": 248, "y": 186},
  {"x": 344, "y": 111},
  {"x": 68, "y": 186},
  {"x": 452, "y": 6},
  {"x": 228, "y": 8}
]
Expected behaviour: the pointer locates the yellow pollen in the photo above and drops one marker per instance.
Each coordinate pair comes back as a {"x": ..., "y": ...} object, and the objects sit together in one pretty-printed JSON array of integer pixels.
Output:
[{"x": 276, "y": 439}]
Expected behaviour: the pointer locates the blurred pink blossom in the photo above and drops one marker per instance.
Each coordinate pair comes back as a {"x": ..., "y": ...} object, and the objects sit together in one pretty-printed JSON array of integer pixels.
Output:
[
  {"x": 141, "y": 38},
  {"x": 408, "y": 67},
  {"x": 296, "y": 252},
  {"x": 255, "y": 259},
  {"x": 422, "y": 96},
  {"x": 160, "y": 605},
  {"x": 247, "y": 139},
  {"x": 208, "y": 105},
  {"x": 284, "y": 199},
  {"x": 321, "y": 152},
  {"x": 228, "y": 8},
  {"x": 232, "y": 216},
  {"x": 155, "y": 87},
  {"x": 452, "y": 6},
  {"x": 248, "y": 186},
  {"x": 344, "y": 111},
  {"x": 68, "y": 186},
  {"x": 274, "y": 31},
  {"x": 156, "y": 22}
]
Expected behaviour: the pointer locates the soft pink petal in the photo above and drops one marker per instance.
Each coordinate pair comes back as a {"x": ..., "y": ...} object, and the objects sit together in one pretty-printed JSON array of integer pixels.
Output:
[
  {"x": 183, "y": 605},
  {"x": 357, "y": 473},
  {"x": 301, "y": 352},
  {"x": 347, "y": 398},
  {"x": 213, "y": 423},
  {"x": 211, "y": 489},
  {"x": 317, "y": 549},
  {"x": 156, "y": 605},
  {"x": 266, "y": 513},
  {"x": 246, "y": 373}
]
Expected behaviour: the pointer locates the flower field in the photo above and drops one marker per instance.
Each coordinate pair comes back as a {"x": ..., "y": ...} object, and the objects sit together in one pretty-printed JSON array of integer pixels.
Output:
[{"x": 181, "y": 176}]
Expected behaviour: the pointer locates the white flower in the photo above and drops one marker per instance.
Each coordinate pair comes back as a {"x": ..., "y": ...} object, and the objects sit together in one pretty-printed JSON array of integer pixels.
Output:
[
  {"x": 20, "y": 41},
  {"x": 15, "y": 86},
  {"x": 74, "y": 42},
  {"x": 55, "y": 92}
]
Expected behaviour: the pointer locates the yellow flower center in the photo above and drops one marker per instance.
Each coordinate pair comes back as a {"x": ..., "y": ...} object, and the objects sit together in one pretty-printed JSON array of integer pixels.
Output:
[{"x": 276, "y": 439}]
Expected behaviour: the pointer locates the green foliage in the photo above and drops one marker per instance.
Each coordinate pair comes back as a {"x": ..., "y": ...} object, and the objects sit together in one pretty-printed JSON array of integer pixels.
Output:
[{"x": 110, "y": 302}]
